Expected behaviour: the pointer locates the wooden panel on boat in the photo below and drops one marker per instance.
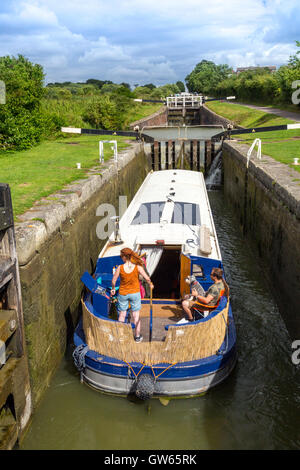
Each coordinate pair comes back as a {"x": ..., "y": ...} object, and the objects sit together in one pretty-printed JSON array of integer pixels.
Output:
[
  {"x": 158, "y": 327},
  {"x": 185, "y": 270}
]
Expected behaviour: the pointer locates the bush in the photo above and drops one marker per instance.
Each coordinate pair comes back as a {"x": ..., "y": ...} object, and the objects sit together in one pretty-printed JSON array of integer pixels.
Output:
[
  {"x": 262, "y": 86},
  {"x": 22, "y": 122},
  {"x": 102, "y": 113}
]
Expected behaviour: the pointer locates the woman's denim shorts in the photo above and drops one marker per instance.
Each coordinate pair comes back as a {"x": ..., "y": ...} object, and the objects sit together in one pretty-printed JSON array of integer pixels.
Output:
[{"x": 134, "y": 299}]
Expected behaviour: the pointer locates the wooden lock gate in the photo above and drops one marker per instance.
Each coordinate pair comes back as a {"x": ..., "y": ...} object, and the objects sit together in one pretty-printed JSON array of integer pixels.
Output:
[{"x": 15, "y": 394}]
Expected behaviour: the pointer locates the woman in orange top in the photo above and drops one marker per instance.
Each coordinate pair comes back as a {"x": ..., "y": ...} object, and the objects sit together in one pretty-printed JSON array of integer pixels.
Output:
[{"x": 129, "y": 290}]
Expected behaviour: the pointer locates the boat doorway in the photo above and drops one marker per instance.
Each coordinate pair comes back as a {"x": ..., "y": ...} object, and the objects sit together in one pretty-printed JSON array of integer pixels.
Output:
[{"x": 166, "y": 277}]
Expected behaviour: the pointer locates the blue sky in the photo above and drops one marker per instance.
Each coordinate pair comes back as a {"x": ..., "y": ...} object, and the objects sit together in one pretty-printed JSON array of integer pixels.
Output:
[{"x": 143, "y": 41}]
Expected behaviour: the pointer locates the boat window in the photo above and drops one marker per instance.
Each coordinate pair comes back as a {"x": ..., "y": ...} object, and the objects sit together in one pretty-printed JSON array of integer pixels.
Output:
[
  {"x": 198, "y": 270},
  {"x": 186, "y": 213},
  {"x": 149, "y": 213}
]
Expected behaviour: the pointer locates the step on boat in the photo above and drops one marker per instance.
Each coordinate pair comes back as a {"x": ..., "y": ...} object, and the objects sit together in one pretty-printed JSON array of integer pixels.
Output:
[{"x": 170, "y": 221}]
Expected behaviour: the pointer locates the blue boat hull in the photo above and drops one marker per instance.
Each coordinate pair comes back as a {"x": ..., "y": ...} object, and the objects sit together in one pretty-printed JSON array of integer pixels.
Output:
[{"x": 184, "y": 379}]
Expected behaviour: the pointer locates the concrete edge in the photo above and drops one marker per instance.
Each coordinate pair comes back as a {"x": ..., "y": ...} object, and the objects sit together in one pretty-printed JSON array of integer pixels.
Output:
[
  {"x": 277, "y": 177},
  {"x": 45, "y": 218}
]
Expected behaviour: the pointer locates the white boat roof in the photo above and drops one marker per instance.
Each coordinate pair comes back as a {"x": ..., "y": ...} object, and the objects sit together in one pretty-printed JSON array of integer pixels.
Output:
[{"x": 184, "y": 218}]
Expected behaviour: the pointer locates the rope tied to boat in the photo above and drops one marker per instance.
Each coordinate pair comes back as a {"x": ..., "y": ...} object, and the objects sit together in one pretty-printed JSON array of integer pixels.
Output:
[{"x": 79, "y": 356}]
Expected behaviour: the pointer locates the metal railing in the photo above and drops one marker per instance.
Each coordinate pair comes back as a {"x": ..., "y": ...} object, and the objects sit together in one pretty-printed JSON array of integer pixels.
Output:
[
  {"x": 186, "y": 100},
  {"x": 258, "y": 143}
]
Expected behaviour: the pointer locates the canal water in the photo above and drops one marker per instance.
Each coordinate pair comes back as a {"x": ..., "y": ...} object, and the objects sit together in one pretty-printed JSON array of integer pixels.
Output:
[
  {"x": 164, "y": 133},
  {"x": 257, "y": 407}
]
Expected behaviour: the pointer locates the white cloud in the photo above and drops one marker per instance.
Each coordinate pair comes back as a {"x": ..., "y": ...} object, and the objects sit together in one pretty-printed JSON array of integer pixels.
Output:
[
  {"x": 141, "y": 41},
  {"x": 102, "y": 50},
  {"x": 34, "y": 13}
]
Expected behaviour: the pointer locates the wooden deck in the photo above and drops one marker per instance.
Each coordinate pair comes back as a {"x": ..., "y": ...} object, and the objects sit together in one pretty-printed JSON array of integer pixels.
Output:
[{"x": 162, "y": 315}]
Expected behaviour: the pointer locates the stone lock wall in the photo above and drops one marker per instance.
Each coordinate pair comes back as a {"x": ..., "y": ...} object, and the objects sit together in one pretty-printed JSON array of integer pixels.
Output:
[
  {"x": 56, "y": 243},
  {"x": 266, "y": 197},
  {"x": 160, "y": 118},
  {"x": 209, "y": 117}
]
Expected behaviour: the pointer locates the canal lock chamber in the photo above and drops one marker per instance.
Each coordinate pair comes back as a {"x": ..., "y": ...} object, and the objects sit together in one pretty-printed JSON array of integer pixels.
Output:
[{"x": 75, "y": 245}]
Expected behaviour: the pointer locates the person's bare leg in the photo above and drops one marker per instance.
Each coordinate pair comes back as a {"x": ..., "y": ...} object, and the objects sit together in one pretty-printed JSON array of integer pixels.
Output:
[
  {"x": 122, "y": 316},
  {"x": 137, "y": 322},
  {"x": 185, "y": 306}
]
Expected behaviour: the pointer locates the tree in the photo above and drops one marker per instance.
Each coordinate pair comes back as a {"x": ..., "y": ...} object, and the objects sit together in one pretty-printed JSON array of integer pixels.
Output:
[
  {"x": 126, "y": 85},
  {"x": 98, "y": 83},
  {"x": 206, "y": 76},
  {"x": 169, "y": 89},
  {"x": 102, "y": 113},
  {"x": 109, "y": 87},
  {"x": 150, "y": 85},
  {"x": 180, "y": 86},
  {"x": 21, "y": 118},
  {"x": 287, "y": 76},
  {"x": 294, "y": 60},
  {"x": 142, "y": 92}
]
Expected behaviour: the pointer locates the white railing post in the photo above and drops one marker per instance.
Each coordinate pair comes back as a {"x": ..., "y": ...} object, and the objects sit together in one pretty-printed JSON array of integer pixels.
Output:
[
  {"x": 258, "y": 143},
  {"x": 101, "y": 153},
  {"x": 114, "y": 148}
]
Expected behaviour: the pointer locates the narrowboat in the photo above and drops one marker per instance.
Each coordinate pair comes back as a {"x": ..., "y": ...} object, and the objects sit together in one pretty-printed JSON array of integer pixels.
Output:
[{"x": 170, "y": 223}]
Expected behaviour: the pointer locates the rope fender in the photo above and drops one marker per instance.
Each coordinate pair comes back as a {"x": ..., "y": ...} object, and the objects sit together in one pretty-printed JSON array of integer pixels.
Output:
[
  {"x": 79, "y": 356},
  {"x": 144, "y": 384}
]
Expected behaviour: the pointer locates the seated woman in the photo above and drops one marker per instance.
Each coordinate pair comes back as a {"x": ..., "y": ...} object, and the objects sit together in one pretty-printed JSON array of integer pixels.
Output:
[
  {"x": 210, "y": 299},
  {"x": 129, "y": 290}
]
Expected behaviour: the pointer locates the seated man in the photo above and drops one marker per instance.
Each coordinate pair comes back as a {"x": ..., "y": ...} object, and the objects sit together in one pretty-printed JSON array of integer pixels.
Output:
[{"x": 209, "y": 299}]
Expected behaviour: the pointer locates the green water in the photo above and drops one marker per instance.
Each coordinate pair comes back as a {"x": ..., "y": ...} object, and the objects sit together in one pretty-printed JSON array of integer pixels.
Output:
[{"x": 256, "y": 407}]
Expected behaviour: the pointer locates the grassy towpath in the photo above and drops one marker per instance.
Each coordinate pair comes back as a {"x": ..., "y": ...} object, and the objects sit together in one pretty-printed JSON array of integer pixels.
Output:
[
  {"x": 42, "y": 170},
  {"x": 283, "y": 146},
  {"x": 39, "y": 172}
]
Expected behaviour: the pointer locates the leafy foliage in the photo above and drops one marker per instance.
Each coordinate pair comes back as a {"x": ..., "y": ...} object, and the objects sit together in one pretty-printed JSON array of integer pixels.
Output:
[
  {"x": 22, "y": 123},
  {"x": 206, "y": 76},
  {"x": 180, "y": 86},
  {"x": 102, "y": 113},
  {"x": 260, "y": 84}
]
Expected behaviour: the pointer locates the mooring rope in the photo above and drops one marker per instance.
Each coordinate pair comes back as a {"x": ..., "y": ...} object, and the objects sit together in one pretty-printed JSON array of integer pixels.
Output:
[
  {"x": 136, "y": 375},
  {"x": 169, "y": 367},
  {"x": 154, "y": 375}
]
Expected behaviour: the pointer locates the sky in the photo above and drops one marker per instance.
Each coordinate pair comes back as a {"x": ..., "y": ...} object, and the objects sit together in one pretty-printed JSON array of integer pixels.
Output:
[{"x": 146, "y": 41}]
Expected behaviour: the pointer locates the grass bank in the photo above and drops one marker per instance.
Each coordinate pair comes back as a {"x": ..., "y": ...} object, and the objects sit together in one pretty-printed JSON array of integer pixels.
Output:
[
  {"x": 283, "y": 146},
  {"x": 71, "y": 112},
  {"x": 39, "y": 172}
]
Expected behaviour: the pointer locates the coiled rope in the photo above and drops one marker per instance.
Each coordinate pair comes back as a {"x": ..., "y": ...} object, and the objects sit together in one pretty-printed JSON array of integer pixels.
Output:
[{"x": 79, "y": 356}]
